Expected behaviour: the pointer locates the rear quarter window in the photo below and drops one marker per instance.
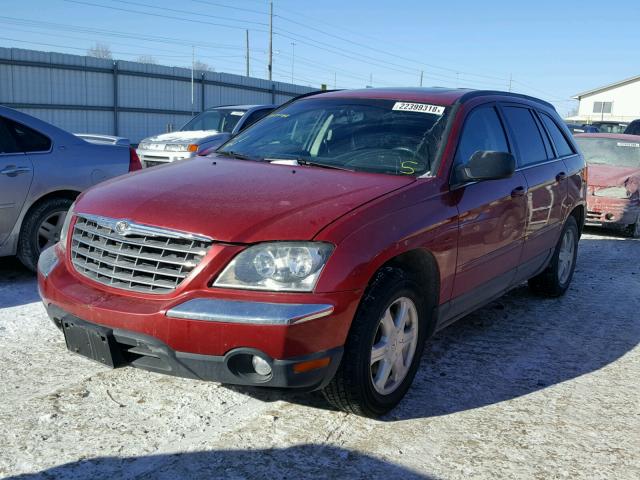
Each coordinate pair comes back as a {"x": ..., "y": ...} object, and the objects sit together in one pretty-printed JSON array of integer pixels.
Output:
[{"x": 28, "y": 139}]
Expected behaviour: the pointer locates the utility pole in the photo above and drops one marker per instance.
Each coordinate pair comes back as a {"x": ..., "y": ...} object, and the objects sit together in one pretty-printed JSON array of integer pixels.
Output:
[
  {"x": 293, "y": 58},
  {"x": 335, "y": 81},
  {"x": 421, "y": 75},
  {"x": 270, "y": 41},
  {"x": 247, "y": 42},
  {"x": 193, "y": 66},
  {"x": 510, "y": 81}
]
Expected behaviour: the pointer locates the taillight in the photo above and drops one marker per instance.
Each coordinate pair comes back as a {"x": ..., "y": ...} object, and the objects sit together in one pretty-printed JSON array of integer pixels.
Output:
[{"x": 134, "y": 161}]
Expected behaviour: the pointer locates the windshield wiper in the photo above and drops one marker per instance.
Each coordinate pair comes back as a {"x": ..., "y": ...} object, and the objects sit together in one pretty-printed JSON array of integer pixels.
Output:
[
  {"x": 239, "y": 156},
  {"x": 313, "y": 163}
]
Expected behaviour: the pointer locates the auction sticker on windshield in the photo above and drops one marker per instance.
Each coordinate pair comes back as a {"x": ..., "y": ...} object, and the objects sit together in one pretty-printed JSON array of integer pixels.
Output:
[
  {"x": 627, "y": 144},
  {"x": 419, "y": 107}
]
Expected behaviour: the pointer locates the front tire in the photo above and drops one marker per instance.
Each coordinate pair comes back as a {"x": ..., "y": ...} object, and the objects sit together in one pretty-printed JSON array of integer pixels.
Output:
[
  {"x": 40, "y": 229},
  {"x": 556, "y": 278},
  {"x": 382, "y": 352},
  {"x": 633, "y": 230}
]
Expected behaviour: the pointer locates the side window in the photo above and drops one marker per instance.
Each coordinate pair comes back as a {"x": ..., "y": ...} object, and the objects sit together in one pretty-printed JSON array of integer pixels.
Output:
[
  {"x": 482, "y": 130},
  {"x": 526, "y": 134},
  {"x": 28, "y": 139},
  {"x": 255, "y": 116},
  {"x": 7, "y": 142},
  {"x": 562, "y": 146}
]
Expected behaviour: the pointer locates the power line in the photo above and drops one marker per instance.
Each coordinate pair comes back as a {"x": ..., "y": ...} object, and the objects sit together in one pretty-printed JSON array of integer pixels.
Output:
[{"x": 139, "y": 4}]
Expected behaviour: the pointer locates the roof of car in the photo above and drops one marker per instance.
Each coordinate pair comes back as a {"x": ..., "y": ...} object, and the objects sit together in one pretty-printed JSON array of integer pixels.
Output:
[
  {"x": 438, "y": 95},
  {"x": 615, "y": 136}
]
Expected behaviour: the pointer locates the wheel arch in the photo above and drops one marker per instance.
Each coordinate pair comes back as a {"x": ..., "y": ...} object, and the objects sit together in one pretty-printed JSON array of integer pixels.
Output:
[
  {"x": 579, "y": 214},
  {"x": 422, "y": 267}
]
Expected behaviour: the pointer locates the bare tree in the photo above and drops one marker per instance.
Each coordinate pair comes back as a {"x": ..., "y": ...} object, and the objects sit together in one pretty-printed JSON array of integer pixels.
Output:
[
  {"x": 198, "y": 65},
  {"x": 100, "y": 50},
  {"x": 150, "y": 59}
]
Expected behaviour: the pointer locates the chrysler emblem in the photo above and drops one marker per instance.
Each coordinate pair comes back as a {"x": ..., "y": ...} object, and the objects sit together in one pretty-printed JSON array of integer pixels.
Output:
[{"x": 122, "y": 227}]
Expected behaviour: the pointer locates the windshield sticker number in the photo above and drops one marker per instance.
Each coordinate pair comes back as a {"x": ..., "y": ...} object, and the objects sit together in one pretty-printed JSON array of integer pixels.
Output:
[
  {"x": 627, "y": 144},
  {"x": 419, "y": 107}
]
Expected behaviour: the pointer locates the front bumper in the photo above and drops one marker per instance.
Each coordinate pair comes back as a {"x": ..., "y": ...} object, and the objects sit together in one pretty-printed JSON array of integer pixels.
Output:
[
  {"x": 613, "y": 212},
  {"x": 148, "y": 353},
  {"x": 195, "y": 333}
]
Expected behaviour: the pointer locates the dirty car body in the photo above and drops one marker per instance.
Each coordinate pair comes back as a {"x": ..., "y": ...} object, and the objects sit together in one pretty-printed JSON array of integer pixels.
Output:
[
  {"x": 614, "y": 180},
  {"x": 322, "y": 246}
]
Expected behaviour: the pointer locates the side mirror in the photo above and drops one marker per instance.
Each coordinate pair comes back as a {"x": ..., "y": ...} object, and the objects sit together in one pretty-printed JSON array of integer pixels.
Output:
[{"x": 486, "y": 165}]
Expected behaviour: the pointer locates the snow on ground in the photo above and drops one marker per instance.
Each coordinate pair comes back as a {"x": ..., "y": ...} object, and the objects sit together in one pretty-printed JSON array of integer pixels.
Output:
[{"x": 524, "y": 388}]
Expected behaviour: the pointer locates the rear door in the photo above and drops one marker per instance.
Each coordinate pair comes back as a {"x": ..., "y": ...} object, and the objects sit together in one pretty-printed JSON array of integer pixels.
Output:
[
  {"x": 546, "y": 178},
  {"x": 16, "y": 173},
  {"x": 492, "y": 217}
]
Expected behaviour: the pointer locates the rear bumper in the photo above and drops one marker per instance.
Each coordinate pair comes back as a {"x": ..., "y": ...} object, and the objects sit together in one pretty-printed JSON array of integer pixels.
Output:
[{"x": 148, "y": 353}]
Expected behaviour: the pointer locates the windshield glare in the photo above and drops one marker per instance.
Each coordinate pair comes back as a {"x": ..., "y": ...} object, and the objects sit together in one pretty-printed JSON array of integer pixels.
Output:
[
  {"x": 381, "y": 136},
  {"x": 610, "y": 151},
  {"x": 221, "y": 120}
]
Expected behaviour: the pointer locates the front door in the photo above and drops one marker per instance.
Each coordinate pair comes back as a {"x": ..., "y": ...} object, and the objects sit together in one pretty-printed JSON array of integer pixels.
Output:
[
  {"x": 492, "y": 218},
  {"x": 16, "y": 173}
]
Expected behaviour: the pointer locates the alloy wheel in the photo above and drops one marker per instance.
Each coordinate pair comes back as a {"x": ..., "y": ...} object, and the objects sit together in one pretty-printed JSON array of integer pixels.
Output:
[
  {"x": 394, "y": 345},
  {"x": 566, "y": 256},
  {"x": 50, "y": 228}
]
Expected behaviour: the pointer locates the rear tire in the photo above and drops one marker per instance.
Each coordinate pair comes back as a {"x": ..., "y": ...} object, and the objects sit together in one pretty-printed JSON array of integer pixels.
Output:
[
  {"x": 383, "y": 349},
  {"x": 41, "y": 229},
  {"x": 556, "y": 278}
]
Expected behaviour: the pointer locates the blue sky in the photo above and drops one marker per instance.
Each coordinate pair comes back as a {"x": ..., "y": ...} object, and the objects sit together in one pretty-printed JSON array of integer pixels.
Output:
[{"x": 550, "y": 49}]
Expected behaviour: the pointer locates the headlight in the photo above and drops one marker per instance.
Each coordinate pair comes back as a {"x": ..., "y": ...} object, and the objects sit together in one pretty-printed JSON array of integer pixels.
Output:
[
  {"x": 612, "y": 192},
  {"x": 277, "y": 266},
  {"x": 143, "y": 146},
  {"x": 65, "y": 227}
]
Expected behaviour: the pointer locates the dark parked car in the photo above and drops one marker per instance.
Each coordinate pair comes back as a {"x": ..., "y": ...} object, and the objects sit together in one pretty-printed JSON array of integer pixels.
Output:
[
  {"x": 321, "y": 247},
  {"x": 614, "y": 180},
  {"x": 609, "y": 126},
  {"x": 581, "y": 128},
  {"x": 633, "y": 128}
]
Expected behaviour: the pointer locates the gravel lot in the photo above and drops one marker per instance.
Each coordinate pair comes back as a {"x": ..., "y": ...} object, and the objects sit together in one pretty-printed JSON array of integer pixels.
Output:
[{"x": 524, "y": 388}]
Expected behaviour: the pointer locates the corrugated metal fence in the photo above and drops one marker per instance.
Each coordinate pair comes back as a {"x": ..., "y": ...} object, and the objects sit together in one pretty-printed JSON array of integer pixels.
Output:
[{"x": 129, "y": 99}]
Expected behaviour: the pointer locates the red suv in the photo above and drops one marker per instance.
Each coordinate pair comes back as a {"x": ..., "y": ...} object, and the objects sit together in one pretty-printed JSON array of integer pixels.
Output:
[{"x": 321, "y": 247}]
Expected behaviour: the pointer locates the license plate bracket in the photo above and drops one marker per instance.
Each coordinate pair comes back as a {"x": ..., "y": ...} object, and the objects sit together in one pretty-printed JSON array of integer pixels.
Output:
[{"x": 92, "y": 341}]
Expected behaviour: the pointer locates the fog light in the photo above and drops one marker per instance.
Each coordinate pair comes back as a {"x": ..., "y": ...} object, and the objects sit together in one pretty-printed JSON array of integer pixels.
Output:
[
  {"x": 609, "y": 216},
  {"x": 261, "y": 366}
]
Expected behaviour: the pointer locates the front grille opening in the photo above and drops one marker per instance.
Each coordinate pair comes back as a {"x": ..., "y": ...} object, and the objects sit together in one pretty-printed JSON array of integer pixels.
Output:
[{"x": 143, "y": 263}]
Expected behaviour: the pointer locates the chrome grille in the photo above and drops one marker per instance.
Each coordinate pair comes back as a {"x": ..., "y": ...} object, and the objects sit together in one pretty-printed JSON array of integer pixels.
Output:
[{"x": 139, "y": 258}]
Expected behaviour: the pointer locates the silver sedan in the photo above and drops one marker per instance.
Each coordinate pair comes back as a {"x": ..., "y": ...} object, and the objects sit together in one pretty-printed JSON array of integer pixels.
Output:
[{"x": 42, "y": 170}]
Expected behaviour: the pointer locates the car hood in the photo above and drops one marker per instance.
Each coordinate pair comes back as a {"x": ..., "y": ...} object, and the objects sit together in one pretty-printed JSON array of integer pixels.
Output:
[
  {"x": 612, "y": 176},
  {"x": 237, "y": 201},
  {"x": 192, "y": 136}
]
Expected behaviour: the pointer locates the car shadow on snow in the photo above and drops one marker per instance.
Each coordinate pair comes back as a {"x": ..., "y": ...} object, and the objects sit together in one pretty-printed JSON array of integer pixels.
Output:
[
  {"x": 18, "y": 286},
  {"x": 301, "y": 461},
  {"x": 520, "y": 343}
]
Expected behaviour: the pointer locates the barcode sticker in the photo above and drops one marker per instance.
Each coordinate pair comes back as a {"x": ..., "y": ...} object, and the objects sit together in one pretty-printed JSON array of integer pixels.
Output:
[
  {"x": 629, "y": 144},
  {"x": 419, "y": 107}
]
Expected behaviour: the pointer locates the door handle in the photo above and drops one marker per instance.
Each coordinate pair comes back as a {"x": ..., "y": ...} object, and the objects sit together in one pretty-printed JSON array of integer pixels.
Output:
[
  {"x": 561, "y": 176},
  {"x": 12, "y": 171},
  {"x": 518, "y": 191}
]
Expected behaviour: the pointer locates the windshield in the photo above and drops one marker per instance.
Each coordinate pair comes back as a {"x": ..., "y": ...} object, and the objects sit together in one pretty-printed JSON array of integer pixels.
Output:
[
  {"x": 220, "y": 119},
  {"x": 381, "y": 136},
  {"x": 610, "y": 151}
]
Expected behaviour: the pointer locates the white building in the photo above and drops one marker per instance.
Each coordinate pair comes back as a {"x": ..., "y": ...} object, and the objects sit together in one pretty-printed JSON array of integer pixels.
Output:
[{"x": 618, "y": 102}]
